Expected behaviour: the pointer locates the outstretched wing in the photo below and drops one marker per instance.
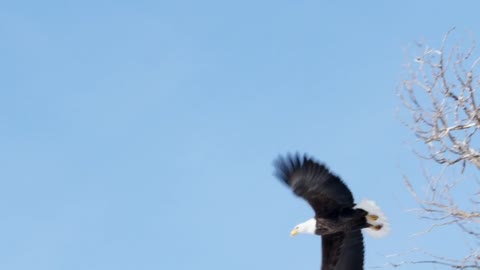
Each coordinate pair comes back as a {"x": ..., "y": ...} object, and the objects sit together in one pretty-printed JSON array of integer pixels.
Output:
[
  {"x": 343, "y": 251},
  {"x": 311, "y": 180}
]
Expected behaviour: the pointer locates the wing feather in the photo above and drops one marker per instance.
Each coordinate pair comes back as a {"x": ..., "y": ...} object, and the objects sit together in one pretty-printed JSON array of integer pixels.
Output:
[
  {"x": 343, "y": 251},
  {"x": 312, "y": 181}
]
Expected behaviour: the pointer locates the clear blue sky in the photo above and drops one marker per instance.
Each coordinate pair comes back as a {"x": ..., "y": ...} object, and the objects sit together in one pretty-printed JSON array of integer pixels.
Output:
[{"x": 141, "y": 134}]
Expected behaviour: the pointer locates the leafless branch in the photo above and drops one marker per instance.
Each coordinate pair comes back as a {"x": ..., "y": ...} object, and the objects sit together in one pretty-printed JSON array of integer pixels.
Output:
[{"x": 439, "y": 96}]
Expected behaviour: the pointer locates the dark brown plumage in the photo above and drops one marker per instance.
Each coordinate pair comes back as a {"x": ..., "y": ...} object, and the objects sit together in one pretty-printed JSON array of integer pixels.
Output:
[{"x": 337, "y": 221}]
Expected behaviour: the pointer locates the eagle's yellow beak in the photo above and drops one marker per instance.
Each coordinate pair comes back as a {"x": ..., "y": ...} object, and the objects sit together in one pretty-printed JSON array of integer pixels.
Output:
[{"x": 294, "y": 232}]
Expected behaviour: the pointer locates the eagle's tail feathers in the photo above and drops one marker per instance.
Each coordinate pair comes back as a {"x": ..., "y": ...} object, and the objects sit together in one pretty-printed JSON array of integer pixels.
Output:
[{"x": 377, "y": 220}]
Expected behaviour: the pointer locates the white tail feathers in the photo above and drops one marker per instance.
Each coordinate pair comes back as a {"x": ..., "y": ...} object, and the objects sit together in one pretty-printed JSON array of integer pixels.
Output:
[{"x": 375, "y": 217}]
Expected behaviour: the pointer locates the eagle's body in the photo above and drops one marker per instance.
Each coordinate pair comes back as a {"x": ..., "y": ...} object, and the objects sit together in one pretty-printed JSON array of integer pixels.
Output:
[{"x": 337, "y": 219}]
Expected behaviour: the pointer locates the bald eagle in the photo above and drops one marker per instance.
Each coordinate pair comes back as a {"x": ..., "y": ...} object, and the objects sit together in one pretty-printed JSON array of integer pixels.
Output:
[{"x": 338, "y": 220}]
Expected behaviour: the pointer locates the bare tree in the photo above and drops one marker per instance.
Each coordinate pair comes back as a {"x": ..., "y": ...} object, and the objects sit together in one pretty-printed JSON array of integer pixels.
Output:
[{"x": 442, "y": 109}]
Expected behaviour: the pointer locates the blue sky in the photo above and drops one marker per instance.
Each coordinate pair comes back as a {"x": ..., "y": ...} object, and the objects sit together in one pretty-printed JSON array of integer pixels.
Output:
[{"x": 141, "y": 135}]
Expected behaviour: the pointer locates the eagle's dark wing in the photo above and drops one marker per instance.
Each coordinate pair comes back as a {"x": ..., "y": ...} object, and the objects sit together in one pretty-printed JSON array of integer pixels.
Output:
[
  {"x": 343, "y": 251},
  {"x": 311, "y": 180}
]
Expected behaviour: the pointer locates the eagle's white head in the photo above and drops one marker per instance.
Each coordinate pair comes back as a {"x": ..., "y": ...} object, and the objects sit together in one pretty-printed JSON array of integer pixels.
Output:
[{"x": 307, "y": 227}]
